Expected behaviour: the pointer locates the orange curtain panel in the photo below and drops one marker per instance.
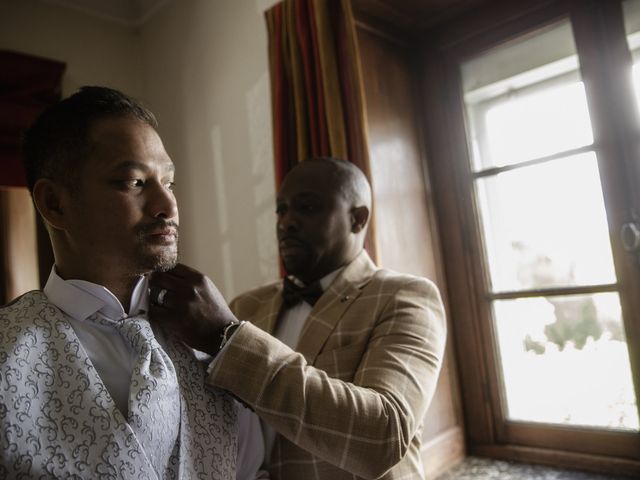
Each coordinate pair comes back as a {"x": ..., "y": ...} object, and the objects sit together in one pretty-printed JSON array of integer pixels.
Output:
[
  {"x": 317, "y": 98},
  {"x": 316, "y": 86}
]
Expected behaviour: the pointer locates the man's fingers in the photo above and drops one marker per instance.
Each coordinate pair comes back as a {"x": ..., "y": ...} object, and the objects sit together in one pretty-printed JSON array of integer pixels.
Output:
[
  {"x": 158, "y": 314},
  {"x": 159, "y": 296},
  {"x": 181, "y": 279},
  {"x": 174, "y": 299},
  {"x": 169, "y": 282},
  {"x": 182, "y": 271}
]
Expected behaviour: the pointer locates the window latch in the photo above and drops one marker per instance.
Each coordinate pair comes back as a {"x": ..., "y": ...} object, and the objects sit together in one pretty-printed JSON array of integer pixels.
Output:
[{"x": 630, "y": 235}]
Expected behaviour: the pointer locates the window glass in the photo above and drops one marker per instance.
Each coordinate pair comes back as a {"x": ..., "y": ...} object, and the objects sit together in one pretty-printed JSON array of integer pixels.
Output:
[{"x": 534, "y": 173}]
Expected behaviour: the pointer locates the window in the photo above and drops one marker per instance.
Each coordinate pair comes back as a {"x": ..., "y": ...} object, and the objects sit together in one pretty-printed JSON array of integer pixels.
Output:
[
  {"x": 555, "y": 307},
  {"x": 535, "y": 148}
]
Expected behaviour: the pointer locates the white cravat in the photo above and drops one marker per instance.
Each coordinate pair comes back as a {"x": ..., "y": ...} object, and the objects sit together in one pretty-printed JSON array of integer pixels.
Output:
[
  {"x": 114, "y": 359},
  {"x": 110, "y": 354},
  {"x": 154, "y": 394}
]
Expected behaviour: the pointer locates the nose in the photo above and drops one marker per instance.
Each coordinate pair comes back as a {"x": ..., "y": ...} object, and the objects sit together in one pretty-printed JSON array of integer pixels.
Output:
[
  {"x": 163, "y": 203},
  {"x": 287, "y": 222}
]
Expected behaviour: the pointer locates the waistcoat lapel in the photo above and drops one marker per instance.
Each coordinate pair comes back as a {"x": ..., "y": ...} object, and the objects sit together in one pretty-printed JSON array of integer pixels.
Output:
[
  {"x": 57, "y": 397},
  {"x": 208, "y": 423},
  {"x": 61, "y": 417}
]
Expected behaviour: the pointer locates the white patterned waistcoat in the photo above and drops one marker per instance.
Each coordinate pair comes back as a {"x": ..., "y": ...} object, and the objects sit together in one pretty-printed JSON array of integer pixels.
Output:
[{"x": 57, "y": 419}]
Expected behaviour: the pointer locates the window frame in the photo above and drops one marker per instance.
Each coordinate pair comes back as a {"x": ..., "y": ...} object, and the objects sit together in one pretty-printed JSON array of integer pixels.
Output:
[
  {"x": 482, "y": 107},
  {"x": 601, "y": 47}
]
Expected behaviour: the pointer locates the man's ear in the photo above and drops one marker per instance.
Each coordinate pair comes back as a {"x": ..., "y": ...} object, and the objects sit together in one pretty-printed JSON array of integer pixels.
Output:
[
  {"x": 49, "y": 198},
  {"x": 359, "y": 218}
]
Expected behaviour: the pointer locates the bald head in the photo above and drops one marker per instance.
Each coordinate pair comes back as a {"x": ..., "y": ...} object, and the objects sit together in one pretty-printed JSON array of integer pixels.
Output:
[
  {"x": 346, "y": 178},
  {"x": 323, "y": 209}
]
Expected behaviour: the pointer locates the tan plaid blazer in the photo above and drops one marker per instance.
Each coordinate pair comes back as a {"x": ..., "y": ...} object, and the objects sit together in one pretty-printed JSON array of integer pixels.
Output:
[{"x": 350, "y": 402}]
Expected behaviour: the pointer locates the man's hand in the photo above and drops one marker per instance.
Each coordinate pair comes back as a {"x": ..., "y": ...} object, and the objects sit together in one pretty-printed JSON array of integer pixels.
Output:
[{"x": 187, "y": 304}]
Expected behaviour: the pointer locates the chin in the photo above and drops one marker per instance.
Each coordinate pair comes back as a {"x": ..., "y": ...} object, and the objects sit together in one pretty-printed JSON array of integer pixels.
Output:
[
  {"x": 295, "y": 268},
  {"x": 165, "y": 266},
  {"x": 159, "y": 261}
]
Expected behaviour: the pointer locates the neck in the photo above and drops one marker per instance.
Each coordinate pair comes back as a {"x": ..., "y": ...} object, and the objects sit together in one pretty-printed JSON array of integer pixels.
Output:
[
  {"x": 323, "y": 270},
  {"x": 120, "y": 285},
  {"x": 123, "y": 291}
]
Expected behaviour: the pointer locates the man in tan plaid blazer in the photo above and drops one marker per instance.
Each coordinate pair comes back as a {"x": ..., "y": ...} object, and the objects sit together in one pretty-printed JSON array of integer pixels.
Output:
[{"x": 343, "y": 385}]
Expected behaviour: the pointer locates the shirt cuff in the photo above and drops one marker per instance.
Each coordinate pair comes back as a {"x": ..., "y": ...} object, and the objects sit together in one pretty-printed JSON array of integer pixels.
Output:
[{"x": 217, "y": 355}]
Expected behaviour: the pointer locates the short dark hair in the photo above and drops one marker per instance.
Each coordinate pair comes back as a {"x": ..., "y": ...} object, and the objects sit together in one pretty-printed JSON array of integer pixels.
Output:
[{"x": 57, "y": 142}]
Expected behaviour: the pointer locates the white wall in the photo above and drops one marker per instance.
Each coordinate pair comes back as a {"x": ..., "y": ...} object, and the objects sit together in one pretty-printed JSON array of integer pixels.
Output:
[
  {"x": 201, "y": 66},
  {"x": 206, "y": 77},
  {"x": 96, "y": 51}
]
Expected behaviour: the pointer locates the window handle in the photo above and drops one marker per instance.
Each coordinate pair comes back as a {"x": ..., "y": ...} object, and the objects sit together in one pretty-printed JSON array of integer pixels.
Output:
[{"x": 630, "y": 235}]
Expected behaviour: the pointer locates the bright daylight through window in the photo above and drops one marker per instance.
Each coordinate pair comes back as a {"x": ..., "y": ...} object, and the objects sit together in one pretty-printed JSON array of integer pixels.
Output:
[{"x": 563, "y": 353}]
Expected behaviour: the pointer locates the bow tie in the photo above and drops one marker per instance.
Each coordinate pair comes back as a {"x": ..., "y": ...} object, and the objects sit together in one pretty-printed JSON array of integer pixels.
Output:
[{"x": 293, "y": 294}]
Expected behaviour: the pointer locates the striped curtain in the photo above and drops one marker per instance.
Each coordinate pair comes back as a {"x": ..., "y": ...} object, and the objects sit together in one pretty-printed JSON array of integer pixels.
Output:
[
  {"x": 318, "y": 107},
  {"x": 316, "y": 87}
]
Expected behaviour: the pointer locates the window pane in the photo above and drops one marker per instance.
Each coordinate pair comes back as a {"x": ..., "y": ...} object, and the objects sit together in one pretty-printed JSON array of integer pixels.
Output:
[
  {"x": 525, "y": 100},
  {"x": 530, "y": 126},
  {"x": 636, "y": 82},
  {"x": 631, "y": 9},
  {"x": 565, "y": 361},
  {"x": 545, "y": 226}
]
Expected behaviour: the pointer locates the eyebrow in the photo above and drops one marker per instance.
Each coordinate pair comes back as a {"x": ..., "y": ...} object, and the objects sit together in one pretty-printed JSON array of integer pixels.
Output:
[{"x": 134, "y": 165}]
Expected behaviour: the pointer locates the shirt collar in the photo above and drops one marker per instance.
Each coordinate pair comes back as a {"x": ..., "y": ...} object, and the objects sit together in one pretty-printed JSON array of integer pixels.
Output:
[
  {"x": 324, "y": 281},
  {"x": 81, "y": 299}
]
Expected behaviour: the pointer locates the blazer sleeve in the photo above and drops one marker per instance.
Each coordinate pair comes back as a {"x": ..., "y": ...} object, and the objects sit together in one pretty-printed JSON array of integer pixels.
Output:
[{"x": 364, "y": 427}]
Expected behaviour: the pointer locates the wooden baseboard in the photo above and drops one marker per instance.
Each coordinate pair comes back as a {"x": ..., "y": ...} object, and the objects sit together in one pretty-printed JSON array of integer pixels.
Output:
[
  {"x": 560, "y": 459},
  {"x": 443, "y": 452}
]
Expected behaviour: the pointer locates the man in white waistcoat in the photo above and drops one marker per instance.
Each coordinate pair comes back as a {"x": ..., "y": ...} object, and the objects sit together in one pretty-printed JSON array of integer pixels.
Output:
[{"x": 88, "y": 388}]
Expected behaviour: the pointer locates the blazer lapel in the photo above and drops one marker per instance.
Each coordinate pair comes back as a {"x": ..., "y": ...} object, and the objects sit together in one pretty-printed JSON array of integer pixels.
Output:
[
  {"x": 266, "y": 317},
  {"x": 335, "y": 301}
]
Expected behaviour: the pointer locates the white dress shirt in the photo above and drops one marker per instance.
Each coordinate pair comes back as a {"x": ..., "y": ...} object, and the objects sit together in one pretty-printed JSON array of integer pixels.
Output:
[
  {"x": 113, "y": 358},
  {"x": 288, "y": 330}
]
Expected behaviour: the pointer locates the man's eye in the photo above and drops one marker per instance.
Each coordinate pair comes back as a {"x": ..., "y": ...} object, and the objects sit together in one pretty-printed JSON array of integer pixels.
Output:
[
  {"x": 129, "y": 183},
  {"x": 171, "y": 185},
  {"x": 280, "y": 209},
  {"x": 307, "y": 207}
]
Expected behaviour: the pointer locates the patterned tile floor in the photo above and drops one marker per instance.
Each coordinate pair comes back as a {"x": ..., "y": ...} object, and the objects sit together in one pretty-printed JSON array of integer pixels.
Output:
[{"x": 474, "y": 468}]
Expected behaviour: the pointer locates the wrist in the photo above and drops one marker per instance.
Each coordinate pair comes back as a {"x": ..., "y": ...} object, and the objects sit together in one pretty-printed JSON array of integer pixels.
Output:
[{"x": 228, "y": 331}]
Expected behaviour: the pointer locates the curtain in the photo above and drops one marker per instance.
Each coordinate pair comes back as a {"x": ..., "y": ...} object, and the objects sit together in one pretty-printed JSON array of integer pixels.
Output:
[{"x": 316, "y": 87}]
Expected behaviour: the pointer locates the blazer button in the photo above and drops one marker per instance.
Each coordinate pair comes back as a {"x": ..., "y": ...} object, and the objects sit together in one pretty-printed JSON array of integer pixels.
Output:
[{"x": 345, "y": 298}]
